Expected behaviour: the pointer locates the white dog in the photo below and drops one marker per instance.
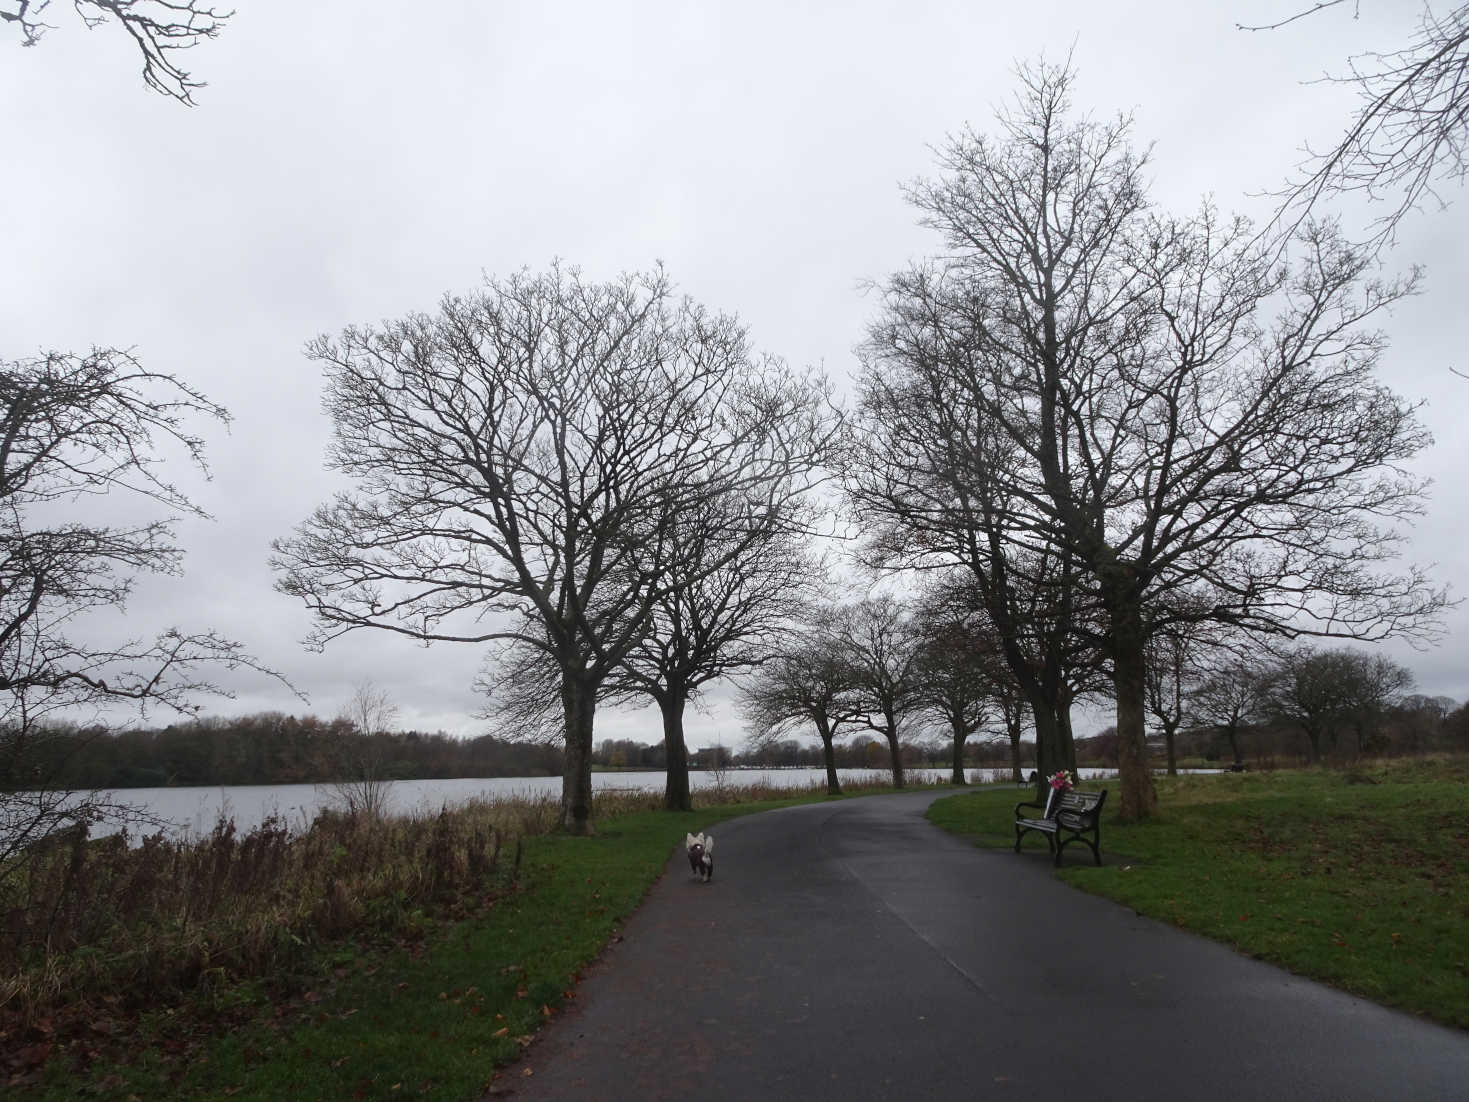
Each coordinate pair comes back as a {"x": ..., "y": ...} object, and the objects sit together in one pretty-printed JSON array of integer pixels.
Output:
[{"x": 701, "y": 855}]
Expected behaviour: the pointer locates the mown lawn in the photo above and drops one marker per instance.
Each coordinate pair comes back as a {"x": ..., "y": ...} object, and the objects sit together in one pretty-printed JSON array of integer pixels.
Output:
[
  {"x": 432, "y": 1017},
  {"x": 1360, "y": 878}
]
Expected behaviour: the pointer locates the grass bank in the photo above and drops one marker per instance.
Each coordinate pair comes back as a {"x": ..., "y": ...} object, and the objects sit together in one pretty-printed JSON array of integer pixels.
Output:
[
  {"x": 409, "y": 967},
  {"x": 1358, "y": 878}
]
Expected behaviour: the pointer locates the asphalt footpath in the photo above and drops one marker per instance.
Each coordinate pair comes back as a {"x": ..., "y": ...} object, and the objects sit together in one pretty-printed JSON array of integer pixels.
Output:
[{"x": 851, "y": 951}]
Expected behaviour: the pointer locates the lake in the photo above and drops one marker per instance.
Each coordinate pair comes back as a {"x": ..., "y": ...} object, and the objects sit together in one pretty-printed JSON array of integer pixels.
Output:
[{"x": 195, "y": 810}]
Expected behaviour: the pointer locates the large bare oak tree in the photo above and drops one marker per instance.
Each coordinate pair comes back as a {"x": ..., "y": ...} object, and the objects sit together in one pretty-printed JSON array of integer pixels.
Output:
[
  {"x": 713, "y": 623},
  {"x": 527, "y": 462},
  {"x": 1193, "y": 424},
  {"x": 706, "y": 626},
  {"x": 925, "y": 473}
]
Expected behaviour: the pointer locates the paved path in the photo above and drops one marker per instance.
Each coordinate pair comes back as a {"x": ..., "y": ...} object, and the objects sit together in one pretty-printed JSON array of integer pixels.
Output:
[{"x": 852, "y": 951}]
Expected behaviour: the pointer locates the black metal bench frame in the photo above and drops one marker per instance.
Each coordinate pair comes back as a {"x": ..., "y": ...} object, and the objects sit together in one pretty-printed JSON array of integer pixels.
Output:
[{"x": 1072, "y": 816}]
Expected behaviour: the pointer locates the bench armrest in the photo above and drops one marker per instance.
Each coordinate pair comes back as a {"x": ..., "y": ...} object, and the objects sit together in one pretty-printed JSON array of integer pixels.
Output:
[{"x": 1030, "y": 803}]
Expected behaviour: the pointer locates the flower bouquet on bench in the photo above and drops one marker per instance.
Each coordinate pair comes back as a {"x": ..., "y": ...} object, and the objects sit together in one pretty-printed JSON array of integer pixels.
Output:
[
  {"x": 1060, "y": 781},
  {"x": 1067, "y": 816}
]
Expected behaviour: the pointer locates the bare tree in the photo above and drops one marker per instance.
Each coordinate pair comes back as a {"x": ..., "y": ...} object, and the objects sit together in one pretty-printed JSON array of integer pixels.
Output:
[
  {"x": 525, "y": 459},
  {"x": 364, "y": 784},
  {"x": 73, "y": 430},
  {"x": 1326, "y": 691},
  {"x": 1308, "y": 688},
  {"x": 961, "y": 669},
  {"x": 159, "y": 29},
  {"x": 1411, "y": 127},
  {"x": 706, "y": 626},
  {"x": 1378, "y": 685},
  {"x": 1011, "y": 703},
  {"x": 810, "y": 680},
  {"x": 709, "y": 624},
  {"x": 1229, "y": 695},
  {"x": 1179, "y": 414},
  {"x": 1175, "y": 657},
  {"x": 883, "y": 648},
  {"x": 919, "y": 472}
]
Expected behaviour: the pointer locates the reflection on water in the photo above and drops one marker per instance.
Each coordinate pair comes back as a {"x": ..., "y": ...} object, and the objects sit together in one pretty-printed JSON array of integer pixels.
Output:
[{"x": 195, "y": 810}]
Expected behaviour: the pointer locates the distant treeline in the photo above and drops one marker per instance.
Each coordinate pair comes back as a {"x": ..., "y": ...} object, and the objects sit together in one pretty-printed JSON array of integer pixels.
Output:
[
  {"x": 268, "y": 748},
  {"x": 274, "y": 748},
  {"x": 861, "y": 752}
]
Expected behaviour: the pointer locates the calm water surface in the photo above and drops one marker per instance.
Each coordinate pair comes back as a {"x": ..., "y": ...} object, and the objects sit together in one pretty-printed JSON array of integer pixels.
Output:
[{"x": 195, "y": 810}]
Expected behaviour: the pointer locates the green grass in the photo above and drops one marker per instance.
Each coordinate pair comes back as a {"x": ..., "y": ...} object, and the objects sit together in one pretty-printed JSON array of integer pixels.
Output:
[
  {"x": 1359, "y": 879},
  {"x": 431, "y": 1016}
]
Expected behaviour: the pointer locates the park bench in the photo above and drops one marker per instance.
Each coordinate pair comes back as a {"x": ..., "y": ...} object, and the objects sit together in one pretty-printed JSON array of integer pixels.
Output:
[{"x": 1067, "y": 816}]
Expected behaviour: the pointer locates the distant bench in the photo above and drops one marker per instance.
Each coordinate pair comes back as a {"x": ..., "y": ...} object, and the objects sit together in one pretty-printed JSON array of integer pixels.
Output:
[{"x": 1070, "y": 817}]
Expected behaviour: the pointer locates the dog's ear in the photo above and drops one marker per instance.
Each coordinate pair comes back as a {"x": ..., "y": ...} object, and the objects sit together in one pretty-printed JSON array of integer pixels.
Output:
[
  {"x": 709, "y": 843},
  {"x": 688, "y": 841}
]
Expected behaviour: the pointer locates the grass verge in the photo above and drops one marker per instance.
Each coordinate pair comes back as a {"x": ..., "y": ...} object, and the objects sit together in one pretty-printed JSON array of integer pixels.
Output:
[
  {"x": 428, "y": 1013},
  {"x": 1358, "y": 878}
]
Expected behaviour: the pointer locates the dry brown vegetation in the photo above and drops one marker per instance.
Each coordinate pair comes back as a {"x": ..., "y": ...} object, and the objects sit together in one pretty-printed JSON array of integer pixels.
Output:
[{"x": 95, "y": 932}]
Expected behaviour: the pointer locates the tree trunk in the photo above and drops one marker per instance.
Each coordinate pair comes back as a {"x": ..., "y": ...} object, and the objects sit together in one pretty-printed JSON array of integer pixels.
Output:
[
  {"x": 1313, "y": 745},
  {"x": 1129, "y": 673},
  {"x": 1169, "y": 729},
  {"x": 1014, "y": 730},
  {"x": 892, "y": 736},
  {"x": 1050, "y": 754},
  {"x": 960, "y": 737},
  {"x": 1067, "y": 736},
  {"x": 1232, "y": 733},
  {"x": 833, "y": 784},
  {"x": 676, "y": 790},
  {"x": 579, "y": 703}
]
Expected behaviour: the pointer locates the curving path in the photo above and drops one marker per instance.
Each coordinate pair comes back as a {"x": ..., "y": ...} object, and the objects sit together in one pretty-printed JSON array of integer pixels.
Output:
[{"x": 853, "y": 951}]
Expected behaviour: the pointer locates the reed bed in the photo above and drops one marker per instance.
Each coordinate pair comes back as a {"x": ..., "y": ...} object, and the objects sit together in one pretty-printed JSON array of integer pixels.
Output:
[
  {"x": 133, "y": 926},
  {"x": 123, "y": 925}
]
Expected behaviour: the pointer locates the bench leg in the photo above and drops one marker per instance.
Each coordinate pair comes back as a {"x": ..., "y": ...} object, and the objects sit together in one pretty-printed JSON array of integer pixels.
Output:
[
  {"x": 1096, "y": 851},
  {"x": 1050, "y": 841},
  {"x": 1095, "y": 848}
]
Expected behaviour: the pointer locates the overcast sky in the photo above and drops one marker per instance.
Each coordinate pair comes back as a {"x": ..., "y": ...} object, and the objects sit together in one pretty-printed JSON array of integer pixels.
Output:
[{"x": 351, "y": 162}]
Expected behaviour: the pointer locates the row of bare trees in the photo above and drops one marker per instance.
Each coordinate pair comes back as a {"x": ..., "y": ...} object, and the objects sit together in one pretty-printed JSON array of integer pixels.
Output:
[
  {"x": 1125, "y": 424},
  {"x": 883, "y": 667},
  {"x": 1118, "y": 425},
  {"x": 1341, "y": 700},
  {"x": 1116, "y": 428}
]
